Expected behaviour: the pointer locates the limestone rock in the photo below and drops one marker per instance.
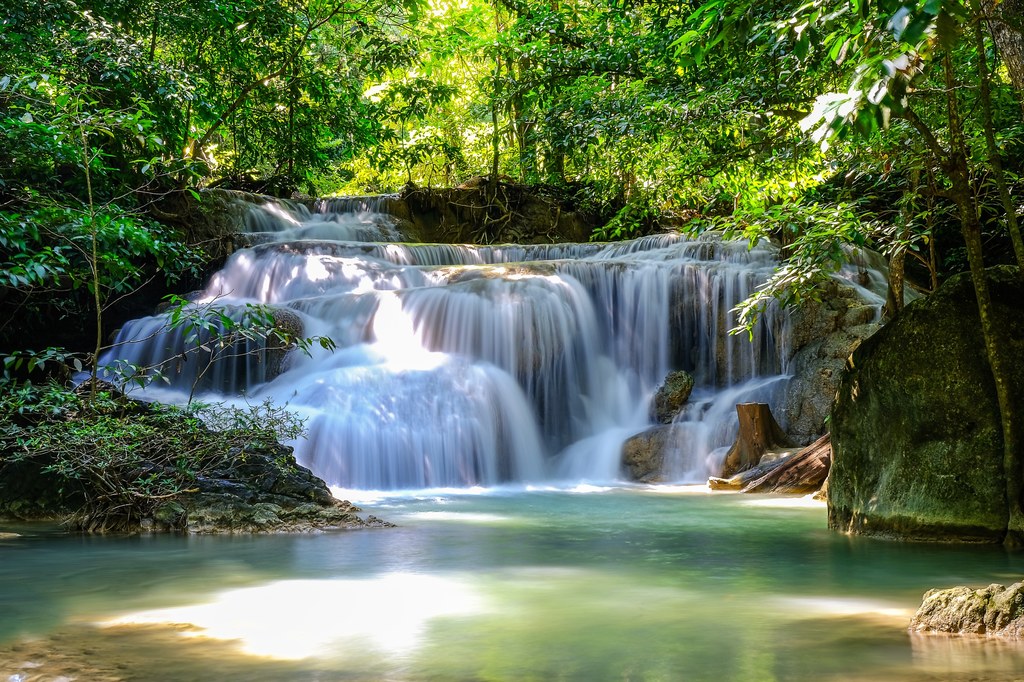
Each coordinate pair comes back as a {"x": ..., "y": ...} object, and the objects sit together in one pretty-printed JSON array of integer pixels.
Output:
[
  {"x": 993, "y": 610},
  {"x": 643, "y": 455},
  {"x": 254, "y": 489},
  {"x": 470, "y": 213},
  {"x": 916, "y": 436},
  {"x": 671, "y": 396},
  {"x": 824, "y": 333}
]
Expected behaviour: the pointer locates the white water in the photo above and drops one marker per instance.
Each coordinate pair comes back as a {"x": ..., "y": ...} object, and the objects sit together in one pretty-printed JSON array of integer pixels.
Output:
[{"x": 481, "y": 365}]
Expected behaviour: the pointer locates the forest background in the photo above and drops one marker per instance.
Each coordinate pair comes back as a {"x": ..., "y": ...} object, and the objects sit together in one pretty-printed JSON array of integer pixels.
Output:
[{"x": 821, "y": 124}]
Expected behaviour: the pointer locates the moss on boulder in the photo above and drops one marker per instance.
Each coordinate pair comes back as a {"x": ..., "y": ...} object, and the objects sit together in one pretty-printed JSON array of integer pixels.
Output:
[
  {"x": 671, "y": 396},
  {"x": 917, "y": 442}
]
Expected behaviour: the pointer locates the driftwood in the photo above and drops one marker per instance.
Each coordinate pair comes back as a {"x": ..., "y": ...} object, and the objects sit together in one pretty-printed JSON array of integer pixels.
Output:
[
  {"x": 804, "y": 472},
  {"x": 759, "y": 432},
  {"x": 743, "y": 478}
]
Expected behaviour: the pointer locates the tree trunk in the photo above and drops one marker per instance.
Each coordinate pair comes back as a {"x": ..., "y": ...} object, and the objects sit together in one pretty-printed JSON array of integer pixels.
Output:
[
  {"x": 895, "y": 293},
  {"x": 492, "y": 182},
  {"x": 994, "y": 158},
  {"x": 1006, "y": 22},
  {"x": 759, "y": 432},
  {"x": 970, "y": 226}
]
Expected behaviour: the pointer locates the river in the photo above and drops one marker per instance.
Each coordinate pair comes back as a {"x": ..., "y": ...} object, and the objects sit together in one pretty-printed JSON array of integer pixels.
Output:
[{"x": 665, "y": 583}]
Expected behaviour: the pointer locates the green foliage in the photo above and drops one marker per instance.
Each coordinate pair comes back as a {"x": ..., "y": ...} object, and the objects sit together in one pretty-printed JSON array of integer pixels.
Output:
[
  {"x": 817, "y": 241},
  {"x": 632, "y": 220},
  {"x": 648, "y": 112},
  {"x": 211, "y": 334},
  {"x": 48, "y": 247}
]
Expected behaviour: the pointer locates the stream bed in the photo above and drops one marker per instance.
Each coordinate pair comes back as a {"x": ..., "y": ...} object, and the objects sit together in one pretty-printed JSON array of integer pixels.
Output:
[{"x": 667, "y": 583}]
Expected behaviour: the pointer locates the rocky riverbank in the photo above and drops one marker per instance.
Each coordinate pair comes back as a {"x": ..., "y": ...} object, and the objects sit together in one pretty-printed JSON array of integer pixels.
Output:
[
  {"x": 111, "y": 464},
  {"x": 258, "y": 490}
]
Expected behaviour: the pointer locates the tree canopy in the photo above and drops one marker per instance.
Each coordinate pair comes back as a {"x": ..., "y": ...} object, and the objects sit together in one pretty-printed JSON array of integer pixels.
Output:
[{"x": 819, "y": 123}]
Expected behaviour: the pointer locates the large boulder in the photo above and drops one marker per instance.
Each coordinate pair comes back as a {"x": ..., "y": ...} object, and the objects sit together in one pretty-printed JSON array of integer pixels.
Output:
[
  {"x": 257, "y": 489},
  {"x": 220, "y": 480},
  {"x": 916, "y": 435},
  {"x": 993, "y": 610}
]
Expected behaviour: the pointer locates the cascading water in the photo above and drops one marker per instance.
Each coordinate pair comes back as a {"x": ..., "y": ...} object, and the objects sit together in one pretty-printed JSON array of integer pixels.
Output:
[{"x": 466, "y": 365}]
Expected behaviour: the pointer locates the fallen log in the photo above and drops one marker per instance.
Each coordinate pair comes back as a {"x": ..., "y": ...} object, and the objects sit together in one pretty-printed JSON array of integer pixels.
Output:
[
  {"x": 740, "y": 480},
  {"x": 759, "y": 433},
  {"x": 803, "y": 472}
]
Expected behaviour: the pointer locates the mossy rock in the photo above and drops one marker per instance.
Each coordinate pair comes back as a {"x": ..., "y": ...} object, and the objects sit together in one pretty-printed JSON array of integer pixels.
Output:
[
  {"x": 671, "y": 396},
  {"x": 993, "y": 611},
  {"x": 917, "y": 440}
]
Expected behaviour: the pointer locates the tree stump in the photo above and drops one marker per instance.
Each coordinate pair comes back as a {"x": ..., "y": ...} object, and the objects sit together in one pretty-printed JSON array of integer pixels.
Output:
[{"x": 759, "y": 432}]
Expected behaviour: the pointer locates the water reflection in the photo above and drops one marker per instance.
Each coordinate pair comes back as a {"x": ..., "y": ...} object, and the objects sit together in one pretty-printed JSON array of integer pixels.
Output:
[
  {"x": 383, "y": 616},
  {"x": 498, "y": 585}
]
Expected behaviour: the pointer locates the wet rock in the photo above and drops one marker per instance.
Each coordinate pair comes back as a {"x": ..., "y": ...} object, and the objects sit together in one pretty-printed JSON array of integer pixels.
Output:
[
  {"x": 290, "y": 326},
  {"x": 916, "y": 433},
  {"x": 824, "y": 333},
  {"x": 671, "y": 396},
  {"x": 993, "y": 610},
  {"x": 255, "y": 489},
  {"x": 473, "y": 213},
  {"x": 643, "y": 455}
]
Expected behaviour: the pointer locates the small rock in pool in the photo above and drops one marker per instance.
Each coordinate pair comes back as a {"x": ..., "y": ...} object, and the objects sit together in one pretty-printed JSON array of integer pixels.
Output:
[{"x": 995, "y": 610}]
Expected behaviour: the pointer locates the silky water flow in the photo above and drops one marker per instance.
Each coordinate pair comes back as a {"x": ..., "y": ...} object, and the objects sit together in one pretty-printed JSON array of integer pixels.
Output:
[{"x": 460, "y": 366}]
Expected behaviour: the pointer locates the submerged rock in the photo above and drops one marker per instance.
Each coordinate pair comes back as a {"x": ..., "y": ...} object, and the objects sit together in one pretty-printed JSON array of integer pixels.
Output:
[
  {"x": 671, "y": 396},
  {"x": 916, "y": 434},
  {"x": 993, "y": 610}
]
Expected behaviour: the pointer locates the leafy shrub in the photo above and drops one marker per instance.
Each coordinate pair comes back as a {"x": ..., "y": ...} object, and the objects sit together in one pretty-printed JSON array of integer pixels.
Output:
[{"x": 114, "y": 459}]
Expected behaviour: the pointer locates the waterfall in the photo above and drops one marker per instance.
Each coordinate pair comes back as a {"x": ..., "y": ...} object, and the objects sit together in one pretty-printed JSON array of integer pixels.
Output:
[{"x": 462, "y": 365}]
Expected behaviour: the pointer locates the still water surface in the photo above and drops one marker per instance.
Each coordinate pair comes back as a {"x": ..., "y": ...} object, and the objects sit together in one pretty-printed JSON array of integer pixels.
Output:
[{"x": 499, "y": 585}]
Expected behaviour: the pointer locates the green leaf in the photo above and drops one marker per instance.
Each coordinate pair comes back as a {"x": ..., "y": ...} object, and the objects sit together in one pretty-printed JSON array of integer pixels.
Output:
[
  {"x": 947, "y": 28},
  {"x": 915, "y": 29}
]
